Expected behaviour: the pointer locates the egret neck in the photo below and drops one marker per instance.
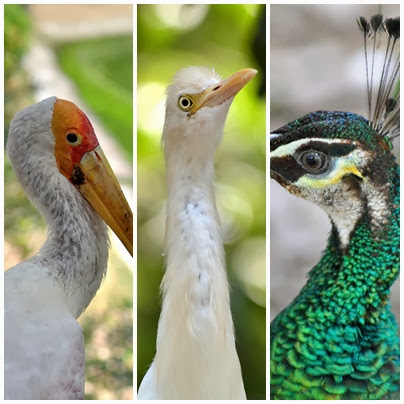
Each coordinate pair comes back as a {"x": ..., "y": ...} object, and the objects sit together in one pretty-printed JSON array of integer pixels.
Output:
[{"x": 196, "y": 309}]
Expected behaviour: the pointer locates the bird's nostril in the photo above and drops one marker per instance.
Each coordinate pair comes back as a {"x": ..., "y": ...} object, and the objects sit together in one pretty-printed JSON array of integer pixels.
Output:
[{"x": 216, "y": 88}]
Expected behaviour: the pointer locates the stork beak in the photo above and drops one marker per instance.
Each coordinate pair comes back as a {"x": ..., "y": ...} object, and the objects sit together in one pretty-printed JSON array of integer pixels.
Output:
[
  {"x": 220, "y": 92},
  {"x": 94, "y": 178}
]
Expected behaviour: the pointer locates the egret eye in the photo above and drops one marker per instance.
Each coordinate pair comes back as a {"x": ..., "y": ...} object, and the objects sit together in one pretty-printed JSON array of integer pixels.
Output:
[
  {"x": 185, "y": 103},
  {"x": 73, "y": 138},
  {"x": 314, "y": 162}
]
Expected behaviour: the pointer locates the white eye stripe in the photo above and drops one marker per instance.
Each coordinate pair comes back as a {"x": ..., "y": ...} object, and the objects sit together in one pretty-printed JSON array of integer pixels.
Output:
[{"x": 290, "y": 148}]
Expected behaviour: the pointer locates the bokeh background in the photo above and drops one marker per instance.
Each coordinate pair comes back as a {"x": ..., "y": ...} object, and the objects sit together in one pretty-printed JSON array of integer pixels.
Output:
[
  {"x": 83, "y": 53},
  {"x": 317, "y": 62},
  {"x": 228, "y": 38}
]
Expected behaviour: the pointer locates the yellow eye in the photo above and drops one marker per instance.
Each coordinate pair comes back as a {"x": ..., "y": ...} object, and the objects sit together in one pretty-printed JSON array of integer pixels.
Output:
[{"x": 185, "y": 103}]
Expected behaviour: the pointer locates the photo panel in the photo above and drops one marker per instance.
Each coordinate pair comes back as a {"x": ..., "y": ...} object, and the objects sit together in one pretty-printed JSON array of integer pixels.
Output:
[
  {"x": 198, "y": 274},
  {"x": 334, "y": 327},
  {"x": 68, "y": 128}
]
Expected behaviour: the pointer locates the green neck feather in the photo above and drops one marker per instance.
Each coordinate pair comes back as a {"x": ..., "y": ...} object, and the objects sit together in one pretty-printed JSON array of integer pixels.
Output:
[
  {"x": 338, "y": 339},
  {"x": 354, "y": 285}
]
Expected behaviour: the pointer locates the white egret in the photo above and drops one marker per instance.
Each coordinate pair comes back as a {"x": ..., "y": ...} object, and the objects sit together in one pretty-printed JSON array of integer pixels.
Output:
[
  {"x": 196, "y": 356},
  {"x": 59, "y": 163}
]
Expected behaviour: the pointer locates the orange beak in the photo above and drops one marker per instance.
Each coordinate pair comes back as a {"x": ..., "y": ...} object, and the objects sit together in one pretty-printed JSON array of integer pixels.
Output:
[{"x": 218, "y": 93}]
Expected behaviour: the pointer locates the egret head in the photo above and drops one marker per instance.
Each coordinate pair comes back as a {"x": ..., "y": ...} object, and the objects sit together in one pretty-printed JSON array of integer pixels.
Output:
[{"x": 196, "y": 109}]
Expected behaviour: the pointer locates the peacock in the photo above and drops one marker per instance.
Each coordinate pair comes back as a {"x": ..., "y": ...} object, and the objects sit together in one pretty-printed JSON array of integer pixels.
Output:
[{"x": 338, "y": 339}]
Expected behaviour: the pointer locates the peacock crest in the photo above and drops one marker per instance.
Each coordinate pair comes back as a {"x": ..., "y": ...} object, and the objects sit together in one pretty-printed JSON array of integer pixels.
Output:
[{"x": 384, "y": 112}]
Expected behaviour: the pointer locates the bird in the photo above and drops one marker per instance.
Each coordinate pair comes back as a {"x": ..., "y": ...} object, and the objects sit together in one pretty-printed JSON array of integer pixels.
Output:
[
  {"x": 338, "y": 339},
  {"x": 195, "y": 356},
  {"x": 57, "y": 159}
]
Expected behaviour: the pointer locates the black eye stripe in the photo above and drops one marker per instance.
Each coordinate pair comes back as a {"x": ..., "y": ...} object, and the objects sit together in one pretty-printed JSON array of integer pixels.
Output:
[
  {"x": 291, "y": 167},
  {"x": 334, "y": 149},
  {"x": 287, "y": 167}
]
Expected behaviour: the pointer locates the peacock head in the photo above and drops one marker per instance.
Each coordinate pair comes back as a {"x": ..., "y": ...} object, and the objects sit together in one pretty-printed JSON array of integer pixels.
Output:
[
  {"x": 338, "y": 161},
  {"x": 322, "y": 151}
]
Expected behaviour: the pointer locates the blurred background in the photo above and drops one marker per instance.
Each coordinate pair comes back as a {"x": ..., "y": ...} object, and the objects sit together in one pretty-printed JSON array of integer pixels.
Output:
[
  {"x": 317, "y": 62},
  {"x": 83, "y": 53},
  {"x": 228, "y": 38}
]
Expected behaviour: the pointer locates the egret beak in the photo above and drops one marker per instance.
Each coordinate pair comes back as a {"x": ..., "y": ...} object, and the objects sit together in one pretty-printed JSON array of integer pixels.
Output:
[
  {"x": 220, "y": 92},
  {"x": 94, "y": 178}
]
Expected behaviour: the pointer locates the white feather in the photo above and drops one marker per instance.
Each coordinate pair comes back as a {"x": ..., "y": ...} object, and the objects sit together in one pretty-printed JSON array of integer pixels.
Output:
[{"x": 196, "y": 356}]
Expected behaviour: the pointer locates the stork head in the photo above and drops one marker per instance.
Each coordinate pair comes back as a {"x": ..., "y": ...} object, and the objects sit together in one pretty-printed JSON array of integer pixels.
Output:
[
  {"x": 196, "y": 109},
  {"x": 59, "y": 136}
]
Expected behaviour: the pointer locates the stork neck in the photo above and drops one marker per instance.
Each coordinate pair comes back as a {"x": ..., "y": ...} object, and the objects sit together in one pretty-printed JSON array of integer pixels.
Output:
[{"x": 76, "y": 250}]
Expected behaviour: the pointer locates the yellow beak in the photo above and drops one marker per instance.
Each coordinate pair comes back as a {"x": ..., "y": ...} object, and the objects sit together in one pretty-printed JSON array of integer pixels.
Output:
[
  {"x": 94, "y": 178},
  {"x": 220, "y": 92}
]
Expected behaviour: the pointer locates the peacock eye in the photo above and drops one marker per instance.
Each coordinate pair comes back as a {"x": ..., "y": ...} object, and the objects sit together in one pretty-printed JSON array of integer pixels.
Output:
[
  {"x": 314, "y": 162},
  {"x": 73, "y": 138},
  {"x": 185, "y": 103}
]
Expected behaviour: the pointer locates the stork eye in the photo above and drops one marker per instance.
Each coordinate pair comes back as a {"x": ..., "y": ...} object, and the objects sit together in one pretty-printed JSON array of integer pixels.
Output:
[
  {"x": 314, "y": 162},
  {"x": 73, "y": 138},
  {"x": 185, "y": 103}
]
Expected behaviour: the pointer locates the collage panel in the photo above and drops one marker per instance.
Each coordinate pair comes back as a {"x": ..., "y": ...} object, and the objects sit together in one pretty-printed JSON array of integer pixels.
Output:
[
  {"x": 334, "y": 332},
  {"x": 205, "y": 54},
  {"x": 68, "y": 79}
]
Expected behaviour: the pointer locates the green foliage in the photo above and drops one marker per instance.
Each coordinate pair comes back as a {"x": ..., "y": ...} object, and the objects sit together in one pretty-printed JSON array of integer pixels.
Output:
[
  {"x": 17, "y": 35},
  {"x": 17, "y": 29},
  {"x": 103, "y": 70},
  {"x": 22, "y": 224},
  {"x": 222, "y": 39}
]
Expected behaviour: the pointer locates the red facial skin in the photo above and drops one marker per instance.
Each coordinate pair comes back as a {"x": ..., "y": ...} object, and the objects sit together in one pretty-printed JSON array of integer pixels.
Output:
[{"x": 67, "y": 118}]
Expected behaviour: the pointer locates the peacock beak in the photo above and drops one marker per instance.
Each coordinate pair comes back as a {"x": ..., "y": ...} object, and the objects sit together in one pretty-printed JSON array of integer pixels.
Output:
[
  {"x": 94, "y": 178},
  {"x": 220, "y": 92}
]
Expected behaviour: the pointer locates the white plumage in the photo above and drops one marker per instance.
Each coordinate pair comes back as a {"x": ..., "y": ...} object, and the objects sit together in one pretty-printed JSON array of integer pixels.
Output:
[
  {"x": 44, "y": 295},
  {"x": 196, "y": 356}
]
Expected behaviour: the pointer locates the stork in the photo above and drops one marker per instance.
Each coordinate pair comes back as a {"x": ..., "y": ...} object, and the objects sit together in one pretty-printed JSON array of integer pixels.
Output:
[
  {"x": 57, "y": 159},
  {"x": 196, "y": 356}
]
